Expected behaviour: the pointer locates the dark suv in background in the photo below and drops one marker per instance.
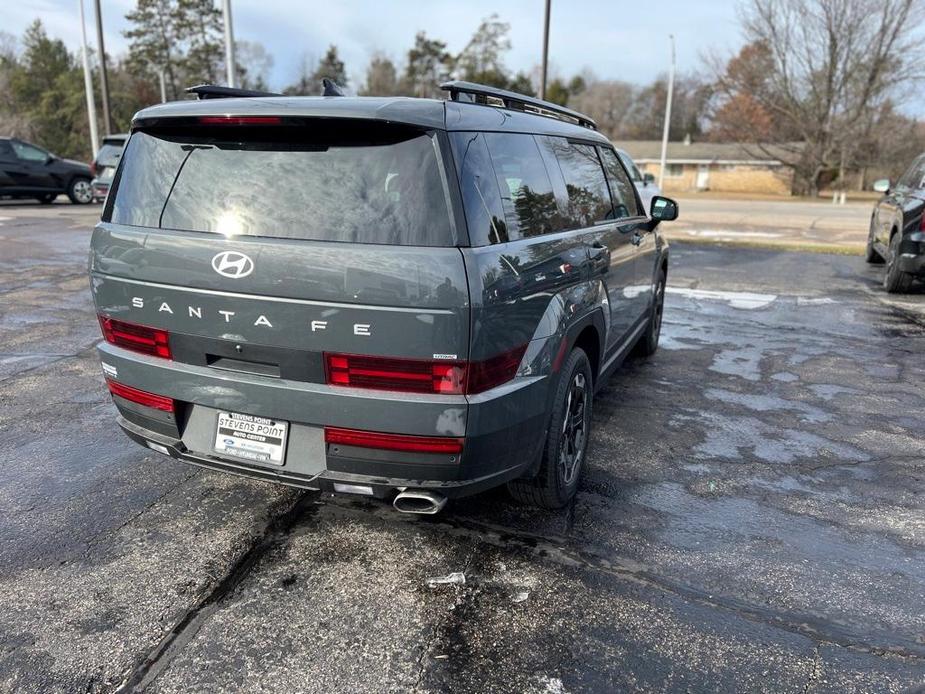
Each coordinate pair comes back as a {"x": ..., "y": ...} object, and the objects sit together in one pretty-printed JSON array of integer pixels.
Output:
[
  {"x": 27, "y": 171},
  {"x": 410, "y": 299},
  {"x": 897, "y": 229}
]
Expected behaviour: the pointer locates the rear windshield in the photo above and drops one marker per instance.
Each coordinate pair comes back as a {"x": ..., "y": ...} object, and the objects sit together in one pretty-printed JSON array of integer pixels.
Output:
[{"x": 361, "y": 183}]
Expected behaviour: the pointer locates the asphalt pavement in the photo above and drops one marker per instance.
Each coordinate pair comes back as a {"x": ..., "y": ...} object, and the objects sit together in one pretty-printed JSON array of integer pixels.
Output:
[{"x": 750, "y": 517}]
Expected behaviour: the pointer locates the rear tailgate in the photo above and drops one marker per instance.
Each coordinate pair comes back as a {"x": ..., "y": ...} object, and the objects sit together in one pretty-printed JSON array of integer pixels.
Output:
[{"x": 261, "y": 249}]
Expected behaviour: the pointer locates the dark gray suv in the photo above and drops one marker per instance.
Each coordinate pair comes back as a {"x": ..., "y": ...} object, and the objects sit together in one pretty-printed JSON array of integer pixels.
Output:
[{"x": 409, "y": 299}]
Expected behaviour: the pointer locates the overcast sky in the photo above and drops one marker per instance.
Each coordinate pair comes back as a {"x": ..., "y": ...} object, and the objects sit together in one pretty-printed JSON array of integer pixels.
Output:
[{"x": 619, "y": 39}]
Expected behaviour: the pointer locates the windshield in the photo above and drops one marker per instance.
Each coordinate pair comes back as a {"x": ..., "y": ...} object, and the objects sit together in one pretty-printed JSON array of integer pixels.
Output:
[
  {"x": 363, "y": 183},
  {"x": 109, "y": 154}
]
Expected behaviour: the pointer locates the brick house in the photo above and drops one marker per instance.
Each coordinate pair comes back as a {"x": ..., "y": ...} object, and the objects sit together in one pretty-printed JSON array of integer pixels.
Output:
[{"x": 718, "y": 166}]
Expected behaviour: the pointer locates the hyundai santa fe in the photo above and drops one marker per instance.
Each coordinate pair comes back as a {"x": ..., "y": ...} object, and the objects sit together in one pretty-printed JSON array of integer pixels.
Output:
[{"x": 410, "y": 299}]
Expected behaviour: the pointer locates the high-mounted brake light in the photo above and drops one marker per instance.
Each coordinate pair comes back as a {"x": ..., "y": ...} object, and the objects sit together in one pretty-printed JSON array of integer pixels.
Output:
[
  {"x": 139, "y": 338},
  {"x": 421, "y": 375},
  {"x": 141, "y": 397},
  {"x": 240, "y": 120},
  {"x": 393, "y": 442}
]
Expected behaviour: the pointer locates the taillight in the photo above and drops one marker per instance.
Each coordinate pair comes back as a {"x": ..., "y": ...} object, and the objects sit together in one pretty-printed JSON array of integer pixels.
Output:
[
  {"x": 485, "y": 375},
  {"x": 393, "y": 442},
  {"x": 142, "y": 397},
  {"x": 421, "y": 375},
  {"x": 240, "y": 120},
  {"x": 139, "y": 338},
  {"x": 386, "y": 373}
]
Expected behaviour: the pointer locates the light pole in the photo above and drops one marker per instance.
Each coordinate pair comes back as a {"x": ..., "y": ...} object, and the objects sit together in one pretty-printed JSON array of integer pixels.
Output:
[
  {"x": 229, "y": 43},
  {"x": 88, "y": 83},
  {"x": 545, "y": 51},
  {"x": 661, "y": 170},
  {"x": 104, "y": 82}
]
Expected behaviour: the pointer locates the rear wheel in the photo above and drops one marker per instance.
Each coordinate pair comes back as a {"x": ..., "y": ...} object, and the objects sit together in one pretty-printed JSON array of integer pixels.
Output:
[
  {"x": 556, "y": 481},
  {"x": 79, "y": 191},
  {"x": 895, "y": 281},
  {"x": 648, "y": 342}
]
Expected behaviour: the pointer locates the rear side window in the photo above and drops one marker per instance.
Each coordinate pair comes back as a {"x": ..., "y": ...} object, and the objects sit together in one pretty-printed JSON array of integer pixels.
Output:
[
  {"x": 353, "y": 182},
  {"x": 622, "y": 190},
  {"x": 588, "y": 196},
  {"x": 526, "y": 193},
  {"x": 479, "y": 189}
]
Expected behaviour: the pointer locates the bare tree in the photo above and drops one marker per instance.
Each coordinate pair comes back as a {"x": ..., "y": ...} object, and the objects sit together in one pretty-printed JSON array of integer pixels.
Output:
[{"x": 822, "y": 70}]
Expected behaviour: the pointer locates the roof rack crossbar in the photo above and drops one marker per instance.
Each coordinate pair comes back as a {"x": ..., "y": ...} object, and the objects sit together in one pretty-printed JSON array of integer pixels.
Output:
[
  {"x": 214, "y": 91},
  {"x": 493, "y": 96}
]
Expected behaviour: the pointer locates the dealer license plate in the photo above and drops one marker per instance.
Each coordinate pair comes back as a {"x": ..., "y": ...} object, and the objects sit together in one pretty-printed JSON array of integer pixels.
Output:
[{"x": 251, "y": 438}]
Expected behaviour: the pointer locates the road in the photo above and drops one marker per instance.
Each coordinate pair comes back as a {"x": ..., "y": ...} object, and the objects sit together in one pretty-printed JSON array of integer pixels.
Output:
[
  {"x": 787, "y": 222},
  {"x": 750, "y": 516}
]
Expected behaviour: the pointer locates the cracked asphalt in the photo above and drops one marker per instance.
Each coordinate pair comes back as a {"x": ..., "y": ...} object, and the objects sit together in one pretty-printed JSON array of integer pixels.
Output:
[{"x": 751, "y": 516}]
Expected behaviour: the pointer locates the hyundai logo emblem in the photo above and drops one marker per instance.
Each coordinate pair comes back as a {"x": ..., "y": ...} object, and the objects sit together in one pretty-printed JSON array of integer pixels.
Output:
[{"x": 232, "y": 264}]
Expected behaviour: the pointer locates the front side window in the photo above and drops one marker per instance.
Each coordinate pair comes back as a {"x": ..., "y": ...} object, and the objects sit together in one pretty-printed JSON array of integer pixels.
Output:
[
  {"x": 624, "y": 194},
  {"x": 349, "y": 182},
  {"x": 631, "y": 168},
  {"x": 913, "y": 177},
  {"x": 530, "y": 204},
  {"x": 28, "y": 152},
  {"x": 588, "y": 196}
]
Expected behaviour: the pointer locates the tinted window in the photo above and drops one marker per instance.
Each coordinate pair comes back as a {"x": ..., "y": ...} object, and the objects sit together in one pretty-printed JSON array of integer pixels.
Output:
[
  {"x": 6, "y": 152},
  {"x": 28, "y": 152},
  {"x": 624, "y": 195},
  {"x": 630, "y": 167},
  {"x": 328, "y": 182},
  {"x": 588, "y": 196},
  {"x": 479, "y": 189},
  {"x": 913, "y": 177},
  {"x": 526, "y": 193}
]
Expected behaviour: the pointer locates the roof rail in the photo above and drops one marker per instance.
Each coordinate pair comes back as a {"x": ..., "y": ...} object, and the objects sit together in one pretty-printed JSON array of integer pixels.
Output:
[
  {"x": 213, "y": 91},
  {"x": 492, "y": 96}
]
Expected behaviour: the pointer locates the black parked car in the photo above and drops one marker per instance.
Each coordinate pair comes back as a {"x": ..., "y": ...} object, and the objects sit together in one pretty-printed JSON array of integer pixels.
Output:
[
  {"x": 897, "y": 229},
  {"x": 27, "y": 171}
]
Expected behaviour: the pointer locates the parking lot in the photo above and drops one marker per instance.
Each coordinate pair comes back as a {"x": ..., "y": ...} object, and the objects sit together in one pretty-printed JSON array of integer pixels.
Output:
[{"x": 750, "y": 516}]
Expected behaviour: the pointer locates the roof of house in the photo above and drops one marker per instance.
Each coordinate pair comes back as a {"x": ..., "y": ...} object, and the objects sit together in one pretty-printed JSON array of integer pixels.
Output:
[{"x": 700, "y": 152}]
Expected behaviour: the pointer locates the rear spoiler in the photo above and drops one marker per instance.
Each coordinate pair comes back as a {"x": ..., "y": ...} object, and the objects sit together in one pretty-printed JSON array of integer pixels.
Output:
[{"x": 213, "y": 91}]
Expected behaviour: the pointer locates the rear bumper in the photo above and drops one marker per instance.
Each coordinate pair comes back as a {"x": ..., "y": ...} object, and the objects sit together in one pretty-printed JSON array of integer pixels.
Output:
[{"x": 503, "y": 430}]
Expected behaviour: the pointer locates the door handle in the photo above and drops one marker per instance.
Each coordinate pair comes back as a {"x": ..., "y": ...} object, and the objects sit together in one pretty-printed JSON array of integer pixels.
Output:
[{"x": 637, "y": 238}]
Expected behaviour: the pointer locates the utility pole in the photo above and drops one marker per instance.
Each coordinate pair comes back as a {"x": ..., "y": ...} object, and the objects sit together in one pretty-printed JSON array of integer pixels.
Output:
[
  {"x": 88, "y": 83},
  {"x": 661, "y": 170},
  {"x": 163, "y": 82},
  {"x": 104, "y": 81},
  {"x": 229, "y": 43},
  {"x": 545, "y": 52}
]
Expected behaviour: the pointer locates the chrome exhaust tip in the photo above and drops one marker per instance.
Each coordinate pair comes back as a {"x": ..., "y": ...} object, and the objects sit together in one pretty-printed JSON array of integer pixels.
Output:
[{"x": 421, "y": 501}]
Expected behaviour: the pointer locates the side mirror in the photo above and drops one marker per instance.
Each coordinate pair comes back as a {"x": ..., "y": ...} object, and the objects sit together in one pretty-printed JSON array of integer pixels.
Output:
[
  {"x": 882, "y": 186},
  {"x": 49, "y": 159},
  {"x": 648, "y": 178},
  {"x": 663, "y": 209}
]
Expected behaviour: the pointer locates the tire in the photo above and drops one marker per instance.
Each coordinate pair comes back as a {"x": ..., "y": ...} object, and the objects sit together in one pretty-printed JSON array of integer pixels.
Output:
[
  {"x": 79, "y": 191},
  {"x": 895, "y": 281},
  {"x": 47, "y": 198},
  {"x": 648, "y": 341},
  {"x": 556, "y": 482},
  {"x": 871, "y": 255}
]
